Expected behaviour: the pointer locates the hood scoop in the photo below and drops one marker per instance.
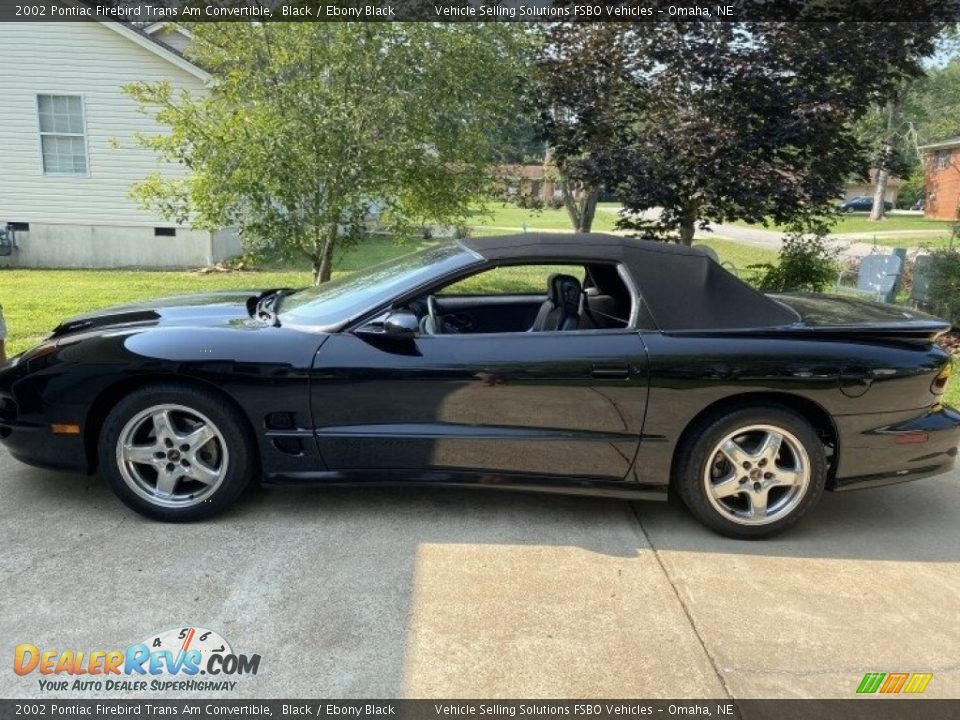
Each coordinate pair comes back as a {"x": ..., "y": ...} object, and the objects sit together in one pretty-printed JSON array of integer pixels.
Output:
[{"x": 91, "y": 323}]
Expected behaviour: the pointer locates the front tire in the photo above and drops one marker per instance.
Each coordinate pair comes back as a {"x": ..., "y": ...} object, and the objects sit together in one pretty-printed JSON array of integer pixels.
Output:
[
  {"x": 751, "y": 473},
  {"x": 175, "y": 454}
]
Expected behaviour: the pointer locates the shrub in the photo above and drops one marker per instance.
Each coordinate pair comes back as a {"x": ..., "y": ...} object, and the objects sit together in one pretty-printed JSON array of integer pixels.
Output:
[
  {"x": 806, "y": 262},
  {"x": 944, "y": 288},
  {"x": 555, "y": 203}
]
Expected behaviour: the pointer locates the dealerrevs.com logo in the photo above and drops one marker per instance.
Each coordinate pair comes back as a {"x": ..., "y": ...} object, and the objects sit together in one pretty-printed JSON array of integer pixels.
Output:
[{"x": 187, "y": 658}]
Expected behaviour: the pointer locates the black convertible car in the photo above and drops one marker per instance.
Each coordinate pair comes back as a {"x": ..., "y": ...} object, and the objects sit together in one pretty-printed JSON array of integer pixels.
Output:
[{"x": 639, "y": 368}]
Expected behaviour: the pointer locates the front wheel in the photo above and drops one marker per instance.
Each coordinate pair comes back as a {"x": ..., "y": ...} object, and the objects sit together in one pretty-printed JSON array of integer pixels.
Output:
[
  {"x": 174, "y": 453},
  {"x": 752, "y": 473}
]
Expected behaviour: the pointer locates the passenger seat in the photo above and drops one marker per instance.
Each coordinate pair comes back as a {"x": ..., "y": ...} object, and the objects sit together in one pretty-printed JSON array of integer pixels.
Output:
[{"x": 561, "y": 311}]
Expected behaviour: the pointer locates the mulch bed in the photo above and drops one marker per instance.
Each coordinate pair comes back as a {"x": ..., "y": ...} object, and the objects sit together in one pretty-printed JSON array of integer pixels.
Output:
[{"x": 950, "y": 341}]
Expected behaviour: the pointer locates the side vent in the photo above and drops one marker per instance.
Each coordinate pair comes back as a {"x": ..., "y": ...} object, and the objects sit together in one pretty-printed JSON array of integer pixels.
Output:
[
  {"x": 288, "y": 445},
  {"x": 280, "y": 421}
]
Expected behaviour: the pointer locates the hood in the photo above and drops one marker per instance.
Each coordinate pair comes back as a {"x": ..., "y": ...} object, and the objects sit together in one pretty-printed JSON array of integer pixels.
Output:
[
  {"x": 202, "y": 309},
  {"x": 853, "y": 316}
]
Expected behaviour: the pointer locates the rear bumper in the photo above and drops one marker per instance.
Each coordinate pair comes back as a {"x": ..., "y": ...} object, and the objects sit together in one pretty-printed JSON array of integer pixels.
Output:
[{"x": 886, "y": 449}]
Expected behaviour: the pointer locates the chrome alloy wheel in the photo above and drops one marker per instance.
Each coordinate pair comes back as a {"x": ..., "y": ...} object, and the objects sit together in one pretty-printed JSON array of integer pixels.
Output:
[
  {"x": 757, "y": 475},
  {"x": 172, "y": 456}
]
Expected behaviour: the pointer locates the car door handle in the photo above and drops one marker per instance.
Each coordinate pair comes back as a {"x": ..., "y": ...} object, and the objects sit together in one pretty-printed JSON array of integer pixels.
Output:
[{"x": 611, "y": 372}]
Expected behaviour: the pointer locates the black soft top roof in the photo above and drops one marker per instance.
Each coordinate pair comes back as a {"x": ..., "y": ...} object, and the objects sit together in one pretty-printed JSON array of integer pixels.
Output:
[{"x": 682, "y": 287}]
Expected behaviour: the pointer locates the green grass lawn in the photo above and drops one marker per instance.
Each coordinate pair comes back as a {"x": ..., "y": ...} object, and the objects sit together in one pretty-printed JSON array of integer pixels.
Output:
[
  {"x": 742, "y": 256},
  {"x": 512, "y": 217},
  {"x": 910, "y": 241},
  {"x": 860, "y": 223},
  {"x": 952, "y": 395}
]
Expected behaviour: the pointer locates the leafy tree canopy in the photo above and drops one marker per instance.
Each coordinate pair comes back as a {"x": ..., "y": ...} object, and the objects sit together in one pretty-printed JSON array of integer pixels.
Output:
[
  {"x": 720, "y": 121},
  {"x": 308, "y": 128}
]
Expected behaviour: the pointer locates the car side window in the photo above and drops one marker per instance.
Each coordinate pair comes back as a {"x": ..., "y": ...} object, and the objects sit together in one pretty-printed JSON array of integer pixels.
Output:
[
  {"x": 512, "y": 280},
  {"x": 520, "y": 298}
]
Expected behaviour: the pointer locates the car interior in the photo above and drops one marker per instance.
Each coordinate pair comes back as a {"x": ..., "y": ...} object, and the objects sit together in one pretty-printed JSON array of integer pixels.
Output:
[{"x": 547, "y": 298}]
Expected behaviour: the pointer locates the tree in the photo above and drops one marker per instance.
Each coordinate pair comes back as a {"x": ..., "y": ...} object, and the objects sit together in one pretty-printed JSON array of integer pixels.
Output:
[
  {"x": 721, "y": 121},
  {"x": 309, "y": 128}
]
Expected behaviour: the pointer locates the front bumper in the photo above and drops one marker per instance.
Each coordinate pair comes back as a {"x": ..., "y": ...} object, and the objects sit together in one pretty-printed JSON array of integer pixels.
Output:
[
  {"x": 25, "y": 428},
  {"x": 891, "y": 448}
]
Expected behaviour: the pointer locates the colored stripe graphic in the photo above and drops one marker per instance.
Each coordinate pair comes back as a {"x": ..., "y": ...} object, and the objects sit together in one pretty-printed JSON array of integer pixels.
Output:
[
  {"x": 894, "y": 683},
  {"x": 918, "y": 682},
  {"x": 870, "y": 682}
]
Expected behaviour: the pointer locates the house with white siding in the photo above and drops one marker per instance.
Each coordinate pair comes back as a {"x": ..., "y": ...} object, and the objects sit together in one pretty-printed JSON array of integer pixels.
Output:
[{"x": 68, "y": 154}]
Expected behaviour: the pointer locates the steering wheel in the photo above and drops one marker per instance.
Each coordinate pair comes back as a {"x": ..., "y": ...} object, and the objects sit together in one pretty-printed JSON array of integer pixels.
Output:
[{"x": 435, "y": 324}]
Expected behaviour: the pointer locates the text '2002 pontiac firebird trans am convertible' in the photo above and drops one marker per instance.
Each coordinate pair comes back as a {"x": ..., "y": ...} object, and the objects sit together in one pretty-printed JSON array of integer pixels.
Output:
[{"x": 638, "y": 369}]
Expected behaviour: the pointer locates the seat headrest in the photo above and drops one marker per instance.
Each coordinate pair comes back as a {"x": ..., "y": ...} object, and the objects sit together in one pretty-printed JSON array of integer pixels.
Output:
[{"x": 564, "y": 291}]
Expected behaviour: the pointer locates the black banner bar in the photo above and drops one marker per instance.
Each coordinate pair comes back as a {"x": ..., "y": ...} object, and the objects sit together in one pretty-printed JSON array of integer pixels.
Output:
[
  {"x": 892, "y": 708},
  {"x": 186, "y": 11}
]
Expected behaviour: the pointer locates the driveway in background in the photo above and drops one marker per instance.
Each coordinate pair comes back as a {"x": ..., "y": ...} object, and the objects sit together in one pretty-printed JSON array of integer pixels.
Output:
[{"x": 469, "y": 593}]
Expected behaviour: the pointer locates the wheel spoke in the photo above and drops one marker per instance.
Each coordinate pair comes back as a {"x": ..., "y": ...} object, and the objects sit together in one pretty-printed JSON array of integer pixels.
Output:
[
  {"x": 770, "y": 446},
  {"x": 167, "y": 482},
  {"x": 199, "y": 437},
  {"x": 788, "y": 476},
  {"x": 202, "y": 473},
  {"x": 142, "y": 454},
  {"x": 734, "y": 453},
  {"x": 726, "y": 488},
  {"x": 163, "y": 425},
  {"x": 758, "y": 502}
]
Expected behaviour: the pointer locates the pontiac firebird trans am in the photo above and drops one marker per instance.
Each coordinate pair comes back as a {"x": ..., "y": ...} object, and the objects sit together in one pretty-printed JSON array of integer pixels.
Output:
[{"x": 639, "y": 369}]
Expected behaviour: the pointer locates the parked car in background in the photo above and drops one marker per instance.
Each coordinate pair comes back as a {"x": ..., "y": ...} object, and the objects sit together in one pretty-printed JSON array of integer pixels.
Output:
[
  {"x": 919, "y": 205},
  {"x": 863, "y": 203}
]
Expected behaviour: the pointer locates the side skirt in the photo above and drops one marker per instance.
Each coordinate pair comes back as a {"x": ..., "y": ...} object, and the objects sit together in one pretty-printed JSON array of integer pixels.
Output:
[{"x": 597, "y": 487}]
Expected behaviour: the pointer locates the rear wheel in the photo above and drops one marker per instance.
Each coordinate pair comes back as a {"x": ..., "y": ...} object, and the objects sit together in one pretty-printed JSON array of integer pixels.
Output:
[
  {"x": 174, "y": 453},
  {"x": 752, "y": 473}
]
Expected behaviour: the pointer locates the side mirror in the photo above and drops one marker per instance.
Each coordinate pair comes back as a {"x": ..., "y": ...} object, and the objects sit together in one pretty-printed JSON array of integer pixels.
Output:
[
  {"x": 396, "y": 325},
  {"x": 401, "y": 324}
]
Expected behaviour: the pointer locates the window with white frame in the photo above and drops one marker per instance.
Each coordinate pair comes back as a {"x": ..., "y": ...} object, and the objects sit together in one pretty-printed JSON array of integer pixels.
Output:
[
  {"x": 62, "y": 139},
  {"x": 942, "y": 159}
]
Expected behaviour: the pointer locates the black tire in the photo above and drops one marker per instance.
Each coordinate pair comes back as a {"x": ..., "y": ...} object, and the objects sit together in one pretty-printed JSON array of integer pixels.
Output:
[
  {"x": 234, "y": 472},
  {"x": 700, "y": 448}
]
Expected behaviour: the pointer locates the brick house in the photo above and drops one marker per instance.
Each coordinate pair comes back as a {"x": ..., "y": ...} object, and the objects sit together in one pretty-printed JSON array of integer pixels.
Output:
[{"x": 941, "y": 163}]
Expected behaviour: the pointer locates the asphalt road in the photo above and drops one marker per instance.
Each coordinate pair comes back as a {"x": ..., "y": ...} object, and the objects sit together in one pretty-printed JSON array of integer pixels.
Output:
[{"x": 449, "y": 593}]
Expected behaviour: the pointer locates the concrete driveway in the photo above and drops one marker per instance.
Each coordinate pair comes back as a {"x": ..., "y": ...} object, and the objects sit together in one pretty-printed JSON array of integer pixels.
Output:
[{"x": 449, "y": 593}]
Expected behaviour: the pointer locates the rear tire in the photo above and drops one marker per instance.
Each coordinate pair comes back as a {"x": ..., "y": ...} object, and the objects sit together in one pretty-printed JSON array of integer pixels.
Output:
[
  {"x": 176, "y": 453},
  {"x": 751, "y": 473}
]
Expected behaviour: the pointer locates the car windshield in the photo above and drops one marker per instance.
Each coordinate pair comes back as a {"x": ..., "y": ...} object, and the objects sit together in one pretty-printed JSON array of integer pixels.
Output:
[{"x": 346, "y": 297}]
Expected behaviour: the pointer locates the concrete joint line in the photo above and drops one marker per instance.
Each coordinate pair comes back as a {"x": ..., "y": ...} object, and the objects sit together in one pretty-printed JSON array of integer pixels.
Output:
[{"x": 683, "y": 605}]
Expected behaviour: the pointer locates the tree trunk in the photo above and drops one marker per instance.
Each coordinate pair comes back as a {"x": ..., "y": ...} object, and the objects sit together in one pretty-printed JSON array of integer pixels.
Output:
[
  {"x": 883, "y": 167},
  {"x": 569, "y": 201},
  {"x": 588, "y": 209},
  {"x": 323, "y": 255},
  {"x": 688, "y": 224},
  {"x": 582, "y": 210},
  {"x": 879, "y": 194}
]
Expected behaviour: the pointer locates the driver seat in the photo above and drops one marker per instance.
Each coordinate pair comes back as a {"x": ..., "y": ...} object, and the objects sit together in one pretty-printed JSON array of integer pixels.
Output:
[{"x": 561, "y": 311}]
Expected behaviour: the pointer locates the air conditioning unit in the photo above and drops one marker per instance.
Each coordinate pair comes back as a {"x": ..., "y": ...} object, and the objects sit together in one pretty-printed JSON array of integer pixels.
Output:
[{"x": 8, "y": 240}]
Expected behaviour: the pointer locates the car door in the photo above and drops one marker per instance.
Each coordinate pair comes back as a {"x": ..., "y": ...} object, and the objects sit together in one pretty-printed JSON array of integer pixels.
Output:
[{"x": 562, "y": 404}]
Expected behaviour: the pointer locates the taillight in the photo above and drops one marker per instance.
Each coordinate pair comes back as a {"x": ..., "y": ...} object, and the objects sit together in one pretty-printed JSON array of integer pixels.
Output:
[{"x": 940, "y": 381}]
